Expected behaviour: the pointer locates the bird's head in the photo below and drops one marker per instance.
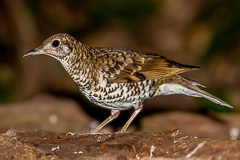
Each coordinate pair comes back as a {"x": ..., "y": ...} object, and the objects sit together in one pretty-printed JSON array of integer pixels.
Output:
[{"x": 59, "y": 46}]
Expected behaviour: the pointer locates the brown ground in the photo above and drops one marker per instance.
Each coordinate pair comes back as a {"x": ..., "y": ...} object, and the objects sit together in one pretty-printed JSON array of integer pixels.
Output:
[
  {"x": 176, "y": 144},
  {"x": 157, "y": 136}
]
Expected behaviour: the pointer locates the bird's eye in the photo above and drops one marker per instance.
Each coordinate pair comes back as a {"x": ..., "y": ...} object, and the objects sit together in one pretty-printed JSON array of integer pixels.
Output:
[{"x": 55, "y": 43}]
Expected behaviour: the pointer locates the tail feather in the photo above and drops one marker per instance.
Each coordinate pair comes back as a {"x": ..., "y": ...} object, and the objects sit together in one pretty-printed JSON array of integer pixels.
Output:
[
  {"x": 179, "y": 85},
  {"x": 202, "y": 93}
]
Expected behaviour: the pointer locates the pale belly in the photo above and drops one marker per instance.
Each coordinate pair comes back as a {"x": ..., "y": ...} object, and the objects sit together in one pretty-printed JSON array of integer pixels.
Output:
[{"x": 121, "y": 96}]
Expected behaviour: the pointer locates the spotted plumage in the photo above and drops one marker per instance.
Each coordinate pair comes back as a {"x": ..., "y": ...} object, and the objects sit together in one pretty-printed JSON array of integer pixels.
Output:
[{"x": 119, "y": 79}]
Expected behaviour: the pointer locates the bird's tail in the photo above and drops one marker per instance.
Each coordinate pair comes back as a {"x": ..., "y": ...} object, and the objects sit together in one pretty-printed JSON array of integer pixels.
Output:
[{"x": 190, "y": 88}]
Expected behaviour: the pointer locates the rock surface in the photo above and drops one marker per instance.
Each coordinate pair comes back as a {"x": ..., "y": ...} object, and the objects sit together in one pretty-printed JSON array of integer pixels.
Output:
[
  {"x": 176, "y": 144},
  {"x": 155, "y": 136}
]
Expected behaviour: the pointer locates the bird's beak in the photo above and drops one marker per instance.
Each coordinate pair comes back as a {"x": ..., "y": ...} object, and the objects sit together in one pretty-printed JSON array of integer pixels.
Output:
[{"x": 33, "y": 52}]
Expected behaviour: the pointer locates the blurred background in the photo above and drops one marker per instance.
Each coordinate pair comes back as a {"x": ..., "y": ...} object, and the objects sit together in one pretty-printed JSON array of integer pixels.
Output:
[{"x": 202, "y": 33}]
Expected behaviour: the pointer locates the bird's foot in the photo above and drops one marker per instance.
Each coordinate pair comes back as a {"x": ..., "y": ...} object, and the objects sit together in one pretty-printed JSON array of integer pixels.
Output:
[
  {"x": 94, "y": 132},
  {"x": 73, "y": 134},
  {"x": 120, "y": 132}
]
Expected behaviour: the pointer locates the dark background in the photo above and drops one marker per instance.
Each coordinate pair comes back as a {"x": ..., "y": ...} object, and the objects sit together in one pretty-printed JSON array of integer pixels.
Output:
[{"x": 202, "y": 33}]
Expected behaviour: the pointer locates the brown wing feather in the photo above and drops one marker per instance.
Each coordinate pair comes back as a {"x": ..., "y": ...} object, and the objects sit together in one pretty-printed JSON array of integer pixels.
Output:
[
  {"x": 158, "y": 66},
  {"x": 119, "y": 65}
]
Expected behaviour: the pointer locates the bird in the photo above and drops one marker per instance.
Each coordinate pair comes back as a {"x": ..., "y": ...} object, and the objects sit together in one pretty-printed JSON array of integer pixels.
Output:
[{"x": 119, "y": 79}]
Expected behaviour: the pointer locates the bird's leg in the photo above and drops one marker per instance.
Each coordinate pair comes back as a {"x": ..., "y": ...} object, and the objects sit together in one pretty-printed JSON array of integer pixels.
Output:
[
  {"x": 138, "y": 109},
  {"x": 114, "y": 115}
]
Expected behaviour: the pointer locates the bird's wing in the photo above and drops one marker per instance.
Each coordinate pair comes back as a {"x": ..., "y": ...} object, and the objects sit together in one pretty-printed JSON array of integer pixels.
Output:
[{"x": 119, "y": 65}]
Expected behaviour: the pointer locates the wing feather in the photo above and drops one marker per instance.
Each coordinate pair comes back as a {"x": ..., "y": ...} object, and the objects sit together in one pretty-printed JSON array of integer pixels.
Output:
[{"x": 120, "y": 65}]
